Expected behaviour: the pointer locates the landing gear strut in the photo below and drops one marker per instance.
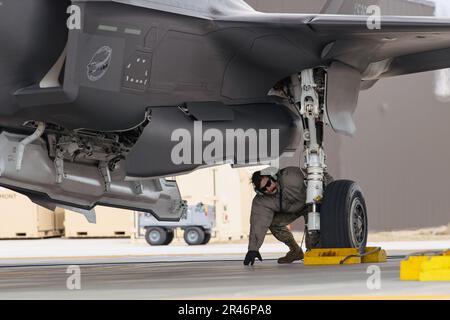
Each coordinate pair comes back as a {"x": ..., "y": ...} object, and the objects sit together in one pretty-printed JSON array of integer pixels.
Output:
[{"x": 338, "y": 215}]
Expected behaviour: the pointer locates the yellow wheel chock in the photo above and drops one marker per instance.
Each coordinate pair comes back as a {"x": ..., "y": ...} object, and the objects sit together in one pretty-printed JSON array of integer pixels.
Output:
[
  {"x": 426, "y": 267},
  {"x": 337, "y": 256}
]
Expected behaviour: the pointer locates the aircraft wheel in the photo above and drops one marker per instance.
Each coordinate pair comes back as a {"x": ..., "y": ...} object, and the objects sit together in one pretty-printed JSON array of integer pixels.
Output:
[
  {"x": 156, "y": 236},
  {"x": 343, "y": 216},
  {"x": 194, "y": 236}
]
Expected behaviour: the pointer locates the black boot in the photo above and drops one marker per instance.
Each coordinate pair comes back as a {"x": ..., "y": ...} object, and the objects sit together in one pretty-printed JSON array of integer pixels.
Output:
[{"x": 295, "y": 253}]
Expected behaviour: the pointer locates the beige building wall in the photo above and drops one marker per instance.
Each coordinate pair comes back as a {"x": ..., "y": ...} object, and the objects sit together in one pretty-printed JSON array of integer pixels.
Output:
[
  {"x": 111, "y": 222},
  {"x": 21, "y": 218},
  {"x": 228, "y": 190}
]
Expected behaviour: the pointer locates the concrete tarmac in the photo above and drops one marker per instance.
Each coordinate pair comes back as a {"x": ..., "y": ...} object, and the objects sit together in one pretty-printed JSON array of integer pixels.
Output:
[{"x": 193, "y": 278}]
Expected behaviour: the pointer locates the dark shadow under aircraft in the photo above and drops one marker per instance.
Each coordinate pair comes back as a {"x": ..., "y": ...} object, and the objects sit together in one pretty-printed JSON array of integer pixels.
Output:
[{"x": 89, "y": 105}]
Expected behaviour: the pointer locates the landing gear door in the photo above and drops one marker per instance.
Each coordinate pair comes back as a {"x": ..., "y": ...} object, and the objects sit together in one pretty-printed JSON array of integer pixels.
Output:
[{"x": 343, "y": 86}]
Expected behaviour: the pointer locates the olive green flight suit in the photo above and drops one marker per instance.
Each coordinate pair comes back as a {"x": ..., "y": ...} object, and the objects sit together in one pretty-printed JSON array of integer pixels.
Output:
[{"x": 276, "y": 212}]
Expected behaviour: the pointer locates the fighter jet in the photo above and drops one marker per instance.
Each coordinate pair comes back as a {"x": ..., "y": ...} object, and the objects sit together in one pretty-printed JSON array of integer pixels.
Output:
[{"x": 95, "y": 96}]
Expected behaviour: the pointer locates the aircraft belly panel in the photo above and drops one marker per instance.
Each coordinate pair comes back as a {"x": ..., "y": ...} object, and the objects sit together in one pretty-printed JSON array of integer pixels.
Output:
[{"x": 153, "y": 155}]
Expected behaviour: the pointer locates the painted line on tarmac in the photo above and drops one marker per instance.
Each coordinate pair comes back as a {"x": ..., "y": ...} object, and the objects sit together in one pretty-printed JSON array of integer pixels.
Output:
[
  {"x": 100, "y": 264},
  {"x": 119, "y": 263}
]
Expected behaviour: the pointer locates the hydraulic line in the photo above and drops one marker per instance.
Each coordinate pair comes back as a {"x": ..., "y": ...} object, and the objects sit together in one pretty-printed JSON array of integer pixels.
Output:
[{"x": 25, "y": 142}]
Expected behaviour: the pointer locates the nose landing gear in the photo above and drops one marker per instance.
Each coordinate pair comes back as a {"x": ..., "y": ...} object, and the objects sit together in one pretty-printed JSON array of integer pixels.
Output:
[{"x": 338, "y": 218}]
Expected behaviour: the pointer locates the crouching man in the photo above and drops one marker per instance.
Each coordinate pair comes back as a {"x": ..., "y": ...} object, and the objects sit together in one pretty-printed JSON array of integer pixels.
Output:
[{"x": 280, "y": 200}]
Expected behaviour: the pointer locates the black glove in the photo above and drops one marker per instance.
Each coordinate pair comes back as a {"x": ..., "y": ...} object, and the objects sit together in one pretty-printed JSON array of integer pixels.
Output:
[{"x": 251, "y": 256}]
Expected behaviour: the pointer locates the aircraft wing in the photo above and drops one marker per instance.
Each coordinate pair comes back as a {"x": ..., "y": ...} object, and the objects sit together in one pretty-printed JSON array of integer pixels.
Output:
[
  {"x": 355, "y": 55},
  {"x": 402, "y": 45}
]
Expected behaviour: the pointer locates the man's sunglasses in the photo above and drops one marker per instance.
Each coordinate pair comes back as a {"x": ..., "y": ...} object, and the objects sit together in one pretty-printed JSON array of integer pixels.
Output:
[{"x": 267, "y": 185}]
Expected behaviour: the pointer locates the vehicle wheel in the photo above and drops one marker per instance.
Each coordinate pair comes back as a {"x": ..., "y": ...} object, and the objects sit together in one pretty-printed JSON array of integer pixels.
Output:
[
  {"x": 343, "y": 217},
  {"x": 170, "y": 235},
  {"x": 207, "y": 238},
  {"x": 194, "y": 236},
  {"x": 156, "y": 236}
]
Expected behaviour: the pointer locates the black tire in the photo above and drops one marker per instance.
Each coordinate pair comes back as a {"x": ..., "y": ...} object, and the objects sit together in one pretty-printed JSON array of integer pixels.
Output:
[
  {"x": 207, "y": 238},
  {"x": 194, "y": 236},
  {"x": 343, "y": 216},
  {"x": 156, "y": 236},
  {"x": 170, "y": 236}
]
